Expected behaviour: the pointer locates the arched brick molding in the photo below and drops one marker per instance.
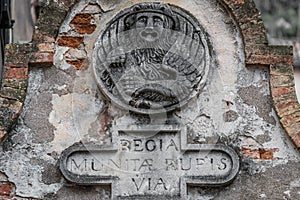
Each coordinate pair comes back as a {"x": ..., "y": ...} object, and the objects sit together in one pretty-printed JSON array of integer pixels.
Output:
[
  {"x": 278, "y": 58},
  {"x": 19, "y": 57},
  {"x": 40, "y": 54}
]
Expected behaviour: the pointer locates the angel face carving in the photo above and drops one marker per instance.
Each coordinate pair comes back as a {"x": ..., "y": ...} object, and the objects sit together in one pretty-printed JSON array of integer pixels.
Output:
[{"x": 151, "y": 58}]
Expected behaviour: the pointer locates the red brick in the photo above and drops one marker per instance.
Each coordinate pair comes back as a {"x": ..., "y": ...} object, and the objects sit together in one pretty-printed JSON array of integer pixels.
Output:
[
  {"x": 70, "y": 41},
  {"x": 269, "y": 59},
  {"x": 82, "y": 18},
  {"x": 41, "y": 37},
  {"x": 289, "y": 103},
  {"x": 280, "y": 99},
  {"x": 78, "y": 64},
  {"x": 13, "y": 93},
  {"x": 46, "y": 47},
  {"x": 290, "y": 116},
  {"x": 5, "y": 189},
  {"x": 18, "y": 73},
  {"x": 293, "y": 129},
  {"x": 282, "y": 81},
  {"x": 2, "y": 134},
  {"x": 15, "y": 65},
  {"x": 283, "y": 91},
  {"x": 267, "y": 154},
  {"x": 251, "y": 153},
  {"x": 296, "y": 140},
  {"x": 85, "y": 29},
  {"x": 281, "y": 69},
  {"x": 42, "y": 58},
  {"x": 82, "y": 23},
  {"x": 263, "y": 154}
]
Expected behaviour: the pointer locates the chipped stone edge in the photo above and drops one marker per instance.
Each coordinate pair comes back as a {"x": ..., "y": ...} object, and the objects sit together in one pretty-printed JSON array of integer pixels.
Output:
[{"x": 184, "y": 181}]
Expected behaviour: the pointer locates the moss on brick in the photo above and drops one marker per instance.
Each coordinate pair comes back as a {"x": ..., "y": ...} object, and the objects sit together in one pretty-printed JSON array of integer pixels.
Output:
[
  {"x": 17, "y": 54},
  {"x": 15, "y": 94},
  {"x": 281, "y": 70},
  {"x": 9, "y": 112},
  {"x": 51, "y": 25},
  {"x": 14, "y": 83}
]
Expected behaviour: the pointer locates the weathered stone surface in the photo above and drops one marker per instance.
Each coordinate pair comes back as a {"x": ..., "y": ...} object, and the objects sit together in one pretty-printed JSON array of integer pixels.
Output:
[
  {"x": 160, "y": 164},
  {"x": 275, "y": 183},
  {"x": 168, "y": 64},
  {"x": 230, "y": 116},
  {"x": 81, "y": 193},
  {"x": 252, "y": 96},
  {"x": 38, "y": 121},
  {"x": 233, "y": 108}
]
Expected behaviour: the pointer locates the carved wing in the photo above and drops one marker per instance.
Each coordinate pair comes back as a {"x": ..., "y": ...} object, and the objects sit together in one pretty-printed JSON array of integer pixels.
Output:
[
  {"x": 188, "y": 54},
  {"x": 111, "y": 44},
  {"x": 111, "y": 54}
]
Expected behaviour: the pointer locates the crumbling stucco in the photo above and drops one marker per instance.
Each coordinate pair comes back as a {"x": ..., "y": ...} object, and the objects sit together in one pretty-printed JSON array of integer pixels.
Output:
[{"x": 64, "y": 106}]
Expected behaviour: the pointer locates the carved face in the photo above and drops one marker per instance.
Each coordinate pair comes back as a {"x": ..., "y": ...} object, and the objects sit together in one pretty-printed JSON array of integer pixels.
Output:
[
  {"x": 151, "y": 25},
  {"x": 152, "y": 58}
]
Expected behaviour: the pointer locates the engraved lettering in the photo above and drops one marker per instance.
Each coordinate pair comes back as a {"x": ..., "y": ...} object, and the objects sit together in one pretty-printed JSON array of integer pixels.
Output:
[
  {"x": 200, "y": 161},
  {"x": 160, "y": 144},
  {"x": 186, "y": 165},
  {"x": 171, "y": 164},
  {"x": 138, "y": 145},
  {"x": 224, "y": 164},
  {"x": 150, "y": 145},
  {"x": 93, "y": 166},
  {"x": 127, "y": 164},
  {"x": 84, "y": 163},
  {"x": 172, "y": 144},
  {"x": 138, "y": 187},
  {"x": 147, "y": 163},
  {"x": 148, "y": 182},
  {"x": 160, "y": 183},
  {"x": 115, "y": 164},
  {"x": 153, "y": 165},
  {"x": 125, "y": 145}
]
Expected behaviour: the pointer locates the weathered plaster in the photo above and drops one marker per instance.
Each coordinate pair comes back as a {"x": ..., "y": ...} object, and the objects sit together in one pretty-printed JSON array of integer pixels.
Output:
[{"x": 64, "y": 106}]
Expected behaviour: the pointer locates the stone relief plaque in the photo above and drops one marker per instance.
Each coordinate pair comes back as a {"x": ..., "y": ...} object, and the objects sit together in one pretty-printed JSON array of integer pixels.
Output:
[
  {"x": 152, "y": 58},
  {"x": 143, "y": 164}
]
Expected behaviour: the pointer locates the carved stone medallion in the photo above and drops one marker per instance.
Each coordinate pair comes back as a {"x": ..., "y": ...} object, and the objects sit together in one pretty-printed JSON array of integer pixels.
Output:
[{"x": 152, "y": 58}]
